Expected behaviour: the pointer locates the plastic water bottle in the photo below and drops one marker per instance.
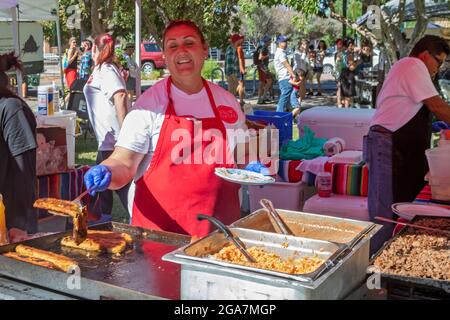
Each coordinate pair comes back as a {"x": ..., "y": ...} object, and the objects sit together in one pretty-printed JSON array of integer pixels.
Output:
[{"x": 56, "y": 103}]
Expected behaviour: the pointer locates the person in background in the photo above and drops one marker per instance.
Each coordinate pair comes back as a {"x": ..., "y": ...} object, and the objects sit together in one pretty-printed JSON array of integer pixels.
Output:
[
  {"x": 284, "y": 74},
  {"x": 400, "y": 130},
  {"x": 133, "y": 69},
  {"x": 312, "y": 61},
  {"x": 18, "y": 146},
  {"x": 107, "y": 104},
  {"x": 232, "y": 65},
  {"x": 366, "y": 56},
  {"x": 301, "y": 66},
  {"x": 340, "y": 64},
  {"x": 347, "y": 81},
  {"x": 73, "y": 53},
  {"x": 242, "y": 72},
  {"x": 321, "y": 53},
  {"x": 296, "y": 83},
  {"x": 265, "y": 76},
  {"x": 86, "y": 62},
  {"x": 171, "y": 186}
]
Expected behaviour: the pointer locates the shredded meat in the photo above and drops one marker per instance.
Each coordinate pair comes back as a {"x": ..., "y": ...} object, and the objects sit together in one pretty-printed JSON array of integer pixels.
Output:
[
  {"x": 269, "y": 261},
  {"x": 419, "y": 253}
]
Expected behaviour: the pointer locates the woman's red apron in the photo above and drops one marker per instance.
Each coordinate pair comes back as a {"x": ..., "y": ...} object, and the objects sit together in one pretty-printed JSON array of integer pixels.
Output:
[{"x": 170, "y": 194}]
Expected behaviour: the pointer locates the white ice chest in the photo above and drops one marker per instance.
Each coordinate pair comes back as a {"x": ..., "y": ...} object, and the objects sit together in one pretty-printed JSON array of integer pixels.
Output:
[
  {"x": 328, "y": 122},
  {"x": 341, "y": 206}
]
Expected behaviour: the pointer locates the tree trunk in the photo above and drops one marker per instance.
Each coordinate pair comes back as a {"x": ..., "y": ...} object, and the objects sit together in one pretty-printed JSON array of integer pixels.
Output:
[{"x": 96, "y": 19}]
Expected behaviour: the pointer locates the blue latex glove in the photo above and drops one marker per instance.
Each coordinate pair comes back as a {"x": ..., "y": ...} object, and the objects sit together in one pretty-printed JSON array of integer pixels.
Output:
[
  {"x": 98, "y": 178},
  {"x": 439, "y": 125},
  {"x": 258, "y": 167}
]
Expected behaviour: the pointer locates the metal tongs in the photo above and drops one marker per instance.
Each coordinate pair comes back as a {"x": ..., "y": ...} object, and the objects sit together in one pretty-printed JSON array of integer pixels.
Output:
[
  {"x": 412, "y": 225},
  {"x": 275, "y": 219},
  {"x": 229, "y": 235}
]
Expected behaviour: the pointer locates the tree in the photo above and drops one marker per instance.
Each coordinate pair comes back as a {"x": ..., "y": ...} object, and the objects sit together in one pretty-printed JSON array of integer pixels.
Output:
[{"x": 388, "y": 36}]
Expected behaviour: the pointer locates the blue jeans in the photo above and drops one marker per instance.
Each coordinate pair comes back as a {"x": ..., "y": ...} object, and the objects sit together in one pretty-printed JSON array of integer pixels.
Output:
[
  {"x": 286, "y": 89},
  {"x": 294, "y": 99}
]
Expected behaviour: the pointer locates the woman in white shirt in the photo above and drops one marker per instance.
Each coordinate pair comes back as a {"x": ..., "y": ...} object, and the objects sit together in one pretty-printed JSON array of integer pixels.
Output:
[{"x": 107, "y": 103}]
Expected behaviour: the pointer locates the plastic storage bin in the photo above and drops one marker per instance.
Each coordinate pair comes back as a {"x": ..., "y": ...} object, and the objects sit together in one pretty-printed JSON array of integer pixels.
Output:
[
  {"x": 66, "y": 119},
  {"x": 284, "y": 195},
  {"x": 439, "y": 161},
  {"x": 350, "y": 207},
  {"x": 281, "y": 120},
  {"x": 329, "y": 122}
]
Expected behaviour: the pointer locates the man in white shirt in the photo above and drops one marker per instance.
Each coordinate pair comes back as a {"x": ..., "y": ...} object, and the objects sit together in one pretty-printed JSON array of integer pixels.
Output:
[
  {"x": 284, "y": 73},
  {"x": 400, "y": 130}
]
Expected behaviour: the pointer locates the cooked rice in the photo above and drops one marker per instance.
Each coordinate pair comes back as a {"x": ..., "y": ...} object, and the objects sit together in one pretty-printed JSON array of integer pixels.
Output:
[{"x": 269, "y": 261}]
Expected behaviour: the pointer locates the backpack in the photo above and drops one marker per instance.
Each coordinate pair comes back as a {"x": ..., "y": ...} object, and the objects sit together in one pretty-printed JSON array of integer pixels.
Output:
[{"x": 256, "y": 56}]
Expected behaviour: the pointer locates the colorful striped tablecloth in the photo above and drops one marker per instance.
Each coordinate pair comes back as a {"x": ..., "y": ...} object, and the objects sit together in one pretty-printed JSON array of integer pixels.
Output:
[{"x": 66, "y": 186}]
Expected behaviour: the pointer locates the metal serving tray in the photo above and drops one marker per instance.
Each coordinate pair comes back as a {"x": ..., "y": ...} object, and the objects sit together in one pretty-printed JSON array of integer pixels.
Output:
[
  {"x": 138, "y": 273},
  {"x": 284, "y": 246},
  {"x": 201, "y": 279},
  {"x": 443, "y": 286},
  {"x": 309, "y": 225}
]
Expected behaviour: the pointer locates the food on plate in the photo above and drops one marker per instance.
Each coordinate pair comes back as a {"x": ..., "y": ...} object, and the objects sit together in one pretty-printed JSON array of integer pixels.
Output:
[
  {"x": 419, "y": 253},
  {"x": 59, "y": 262},
  {"x": 269, "y": 261},
  {"x": 57, "y": 205},
  {"x": 35, "y": 261},
  {"x": 112, "y": 242}
]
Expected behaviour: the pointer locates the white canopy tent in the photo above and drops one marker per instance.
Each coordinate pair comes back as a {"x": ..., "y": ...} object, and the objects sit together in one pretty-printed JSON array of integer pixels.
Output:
[{"x": 33, "y": 10}]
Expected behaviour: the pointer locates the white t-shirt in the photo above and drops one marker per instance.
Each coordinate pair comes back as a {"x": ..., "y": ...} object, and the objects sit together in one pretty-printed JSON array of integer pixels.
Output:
[
  {"x": 301, "y": 61},
  {"x": 99, "y": 90},
  {"x": 407, "y": 85},
  {"x": 141, "y": 128},
  {"x": 282, "y": 71}
]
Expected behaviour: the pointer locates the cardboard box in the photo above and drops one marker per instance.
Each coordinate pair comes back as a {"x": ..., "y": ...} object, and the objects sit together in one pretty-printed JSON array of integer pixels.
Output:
[{"x": 51, "y": 155}]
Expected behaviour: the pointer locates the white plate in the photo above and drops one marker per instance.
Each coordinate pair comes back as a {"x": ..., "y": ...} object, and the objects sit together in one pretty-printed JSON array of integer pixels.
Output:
[
  {"x": 409, "y": 210},
  {"x": 243, "y": 177}
]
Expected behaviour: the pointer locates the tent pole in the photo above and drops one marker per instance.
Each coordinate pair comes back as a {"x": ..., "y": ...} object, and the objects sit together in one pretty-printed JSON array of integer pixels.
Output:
[
  {"x": 15, "y": 30},
  {"x": 61, "y": 72},
  {"x": 138, "y": 8}
]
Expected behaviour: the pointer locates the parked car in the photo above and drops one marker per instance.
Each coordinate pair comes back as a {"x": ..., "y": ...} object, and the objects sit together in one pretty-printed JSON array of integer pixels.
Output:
[{"x": 151, "y": 57}]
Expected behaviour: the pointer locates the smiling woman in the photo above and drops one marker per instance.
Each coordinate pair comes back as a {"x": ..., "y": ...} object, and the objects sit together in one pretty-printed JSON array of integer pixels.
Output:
[{"x": 170, "y": 194}]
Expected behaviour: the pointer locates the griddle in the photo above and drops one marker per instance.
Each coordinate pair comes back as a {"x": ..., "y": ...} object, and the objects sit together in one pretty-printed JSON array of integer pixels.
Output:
[
  {"x": 138, "y": 273},
  {"x": 434, "y": 287}
]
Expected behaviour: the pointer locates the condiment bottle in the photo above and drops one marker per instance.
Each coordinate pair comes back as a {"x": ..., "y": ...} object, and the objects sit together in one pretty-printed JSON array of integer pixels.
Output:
[{"x": 3, "y": 230}]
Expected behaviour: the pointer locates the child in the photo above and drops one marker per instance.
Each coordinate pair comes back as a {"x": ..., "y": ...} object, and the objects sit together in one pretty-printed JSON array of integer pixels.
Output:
[
  {"x": 348, "y": 83},
  {"x": 296, "y": 87}
]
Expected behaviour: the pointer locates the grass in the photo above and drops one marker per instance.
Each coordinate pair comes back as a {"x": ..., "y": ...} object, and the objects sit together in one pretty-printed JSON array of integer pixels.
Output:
[{"x": 86, "y": 153}]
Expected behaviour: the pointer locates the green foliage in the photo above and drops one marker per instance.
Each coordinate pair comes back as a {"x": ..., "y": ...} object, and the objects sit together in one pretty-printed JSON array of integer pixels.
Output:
[
  {"x": 120, "y": 57},
  {"x": 208, "y": 68},
  {"x": 154, "y": 75}
]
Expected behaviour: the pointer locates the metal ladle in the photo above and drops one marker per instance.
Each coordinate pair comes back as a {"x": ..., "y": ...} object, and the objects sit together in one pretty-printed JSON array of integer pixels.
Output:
[
  {"x": 275, "y": 219},
  {"x": 229, "y": 235}
]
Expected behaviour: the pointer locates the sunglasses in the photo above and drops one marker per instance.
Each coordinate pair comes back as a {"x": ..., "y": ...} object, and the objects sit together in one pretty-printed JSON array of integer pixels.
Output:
[{"x": 438, "y": 61}]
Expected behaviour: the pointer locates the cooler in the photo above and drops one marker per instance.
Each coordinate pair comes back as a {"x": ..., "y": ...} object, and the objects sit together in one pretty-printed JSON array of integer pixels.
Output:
[
  {"x": 342, "y": 206},
  {"x": 284, "y": 195},
  {"x": 66, "y": 119},
  {"x": 328, "y": 122}
]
